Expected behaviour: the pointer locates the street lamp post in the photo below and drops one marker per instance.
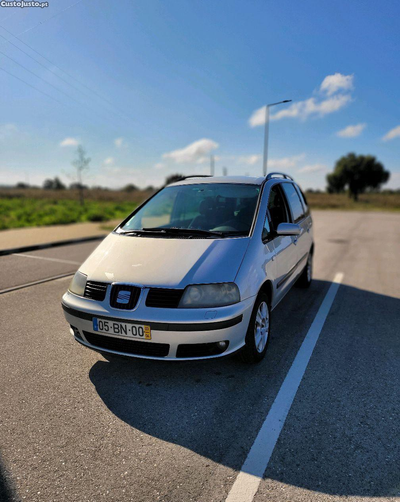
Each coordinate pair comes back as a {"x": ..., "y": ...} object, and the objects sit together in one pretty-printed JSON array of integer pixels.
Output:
[{"x": 266, "y": 132}]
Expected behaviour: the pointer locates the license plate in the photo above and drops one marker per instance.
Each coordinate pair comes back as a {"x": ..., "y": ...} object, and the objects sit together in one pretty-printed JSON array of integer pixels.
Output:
[{"x": 121, "y": 328}]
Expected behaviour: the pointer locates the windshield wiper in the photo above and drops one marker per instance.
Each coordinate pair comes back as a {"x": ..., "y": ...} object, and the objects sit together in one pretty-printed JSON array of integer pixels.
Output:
[
  {"x": 134, "y": 232},
  {"x": 185, "y": 231},
  {"x": 189, "y": 231}
]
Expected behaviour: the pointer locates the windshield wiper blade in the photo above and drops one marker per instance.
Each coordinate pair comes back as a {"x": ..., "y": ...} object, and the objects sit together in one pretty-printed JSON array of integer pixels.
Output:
[
  {"x": 177, "y": 230},
  {"x": 134, "y": 232}
]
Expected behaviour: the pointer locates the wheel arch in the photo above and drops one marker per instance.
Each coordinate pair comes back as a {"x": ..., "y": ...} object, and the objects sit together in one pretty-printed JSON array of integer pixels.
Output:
[{"x": 267, "y": 288}]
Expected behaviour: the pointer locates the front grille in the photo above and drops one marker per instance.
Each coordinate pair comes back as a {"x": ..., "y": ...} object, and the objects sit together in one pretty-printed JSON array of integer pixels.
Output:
[
  {"x": 164, "y": 298},
  {"x": 124, "y": 296},
  {"x": 127, "y": 346},
  {"x": 200, "y": 349},
  {"x": 95, "y": 290}
]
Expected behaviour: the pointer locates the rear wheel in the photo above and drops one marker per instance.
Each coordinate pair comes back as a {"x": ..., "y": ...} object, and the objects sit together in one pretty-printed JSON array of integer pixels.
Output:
[
  {"x": 305, "y": 279},
  {"x": 257, "y": 336}
]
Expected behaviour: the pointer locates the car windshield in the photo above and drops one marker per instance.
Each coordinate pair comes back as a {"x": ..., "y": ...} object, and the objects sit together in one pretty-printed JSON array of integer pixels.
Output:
[{"x": 224, "y": 209}]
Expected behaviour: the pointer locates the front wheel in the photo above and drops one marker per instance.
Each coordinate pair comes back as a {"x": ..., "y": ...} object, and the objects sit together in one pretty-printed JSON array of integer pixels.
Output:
[{"x": 258, "y": 332}]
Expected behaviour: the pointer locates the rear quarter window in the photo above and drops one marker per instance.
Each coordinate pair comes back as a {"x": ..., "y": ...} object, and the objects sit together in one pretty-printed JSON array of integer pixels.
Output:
[
  {"x": 294, "y": 201},
  {"x": 303, "y": 200}
]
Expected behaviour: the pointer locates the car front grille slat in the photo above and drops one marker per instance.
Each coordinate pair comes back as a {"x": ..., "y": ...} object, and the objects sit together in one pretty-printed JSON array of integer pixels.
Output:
[
  {"x": 133, "y": 347},
  {"x": 164, "y": 298},
  {"x": 121, "y": 293},
  {"x": 95, "y": 290}
]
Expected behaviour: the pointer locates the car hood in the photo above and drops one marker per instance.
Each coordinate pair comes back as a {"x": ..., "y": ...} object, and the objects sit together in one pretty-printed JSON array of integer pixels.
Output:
[{"x": 168, "y": 262}]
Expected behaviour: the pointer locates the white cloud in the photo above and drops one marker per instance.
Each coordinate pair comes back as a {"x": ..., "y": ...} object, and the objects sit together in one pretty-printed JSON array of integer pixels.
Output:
[
  {"x": 285, "y": 162},
  {"x": 328, "y": 100},
  {"x": 313, "y": 168},
  {"x": 69, "y": 142},
  {"x": 393, "y": 133},
  {"x": 160, "y": 165},
  {"x": 249, "y": 160},
  {"x": 351, "y": 131},
  {"x": 337, "y": 82},
  {"x": 311, "y": 106},
  {"x": 109, "y": 161},
  {"x": 195, "y": 152},
  {"x": 119, "y": 142}
]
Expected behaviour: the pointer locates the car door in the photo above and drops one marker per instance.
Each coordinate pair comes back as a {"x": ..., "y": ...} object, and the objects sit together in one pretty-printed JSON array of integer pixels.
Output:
[
  {"x": 307, "y": 222},
  {"x": 286, "y": 255},
  {"x": 300, "y": 241}
]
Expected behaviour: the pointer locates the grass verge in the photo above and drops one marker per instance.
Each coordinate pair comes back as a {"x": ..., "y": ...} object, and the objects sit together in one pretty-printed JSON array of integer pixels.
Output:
[{"x": 26, "y": 212}]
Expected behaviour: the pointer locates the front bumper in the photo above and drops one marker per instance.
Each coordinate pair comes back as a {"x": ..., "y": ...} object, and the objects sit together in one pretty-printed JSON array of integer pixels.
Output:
[{"x": 173, "y": 331}]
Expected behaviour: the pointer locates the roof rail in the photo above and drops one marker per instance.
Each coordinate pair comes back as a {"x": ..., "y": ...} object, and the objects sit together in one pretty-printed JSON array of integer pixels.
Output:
[
  {"x": 197, "y": 176},
  {"x": 283, "y": 175}
]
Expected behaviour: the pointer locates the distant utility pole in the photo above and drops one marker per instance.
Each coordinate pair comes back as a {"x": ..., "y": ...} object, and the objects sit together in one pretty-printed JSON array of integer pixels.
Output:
[
  {"x": 212, "y": 165},
  {"x": 225, "y": 171},
  {"x": 266, "y": 132}
]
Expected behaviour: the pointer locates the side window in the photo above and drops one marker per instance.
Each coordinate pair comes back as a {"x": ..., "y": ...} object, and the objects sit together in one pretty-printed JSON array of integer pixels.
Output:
[
  {"x": 294, "y": 201},
  {"x": 267, "y": 228},
  {"x": 303, "y": 200},
  {"x": 277, "y": 207}
]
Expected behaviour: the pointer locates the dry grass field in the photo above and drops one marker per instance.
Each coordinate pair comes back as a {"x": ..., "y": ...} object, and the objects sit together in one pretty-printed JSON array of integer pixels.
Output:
[{"x": 367, "y": 202}]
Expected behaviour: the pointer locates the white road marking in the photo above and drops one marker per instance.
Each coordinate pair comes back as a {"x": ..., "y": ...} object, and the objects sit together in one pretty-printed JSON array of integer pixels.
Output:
[
  {"x": 249, "y": 478},
  {"x": 46, "y": 258},
  {"x": 34, "y": 283}
]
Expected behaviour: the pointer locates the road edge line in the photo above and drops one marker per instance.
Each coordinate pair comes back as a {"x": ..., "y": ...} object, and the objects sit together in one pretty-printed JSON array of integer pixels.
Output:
[
  {"x": 35, "y": 283},
  {"x": 35, "y": 247},
  {"x": 251, "y": 474}
]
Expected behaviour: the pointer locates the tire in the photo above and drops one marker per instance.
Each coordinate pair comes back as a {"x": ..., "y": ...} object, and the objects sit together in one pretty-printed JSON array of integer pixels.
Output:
[
  {"x": 305, "y": 279},
  {"x": 258, "y": 332}
]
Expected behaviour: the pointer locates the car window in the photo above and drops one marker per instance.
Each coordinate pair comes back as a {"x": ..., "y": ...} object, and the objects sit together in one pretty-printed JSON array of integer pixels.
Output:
[
  {"x": 277, "y": 207},
  {"x": 222, "y": 207},
  {"x": 303, "y": 199},
  {"x": 294, "y": 201},
  {"x": 267, "y": 227}
]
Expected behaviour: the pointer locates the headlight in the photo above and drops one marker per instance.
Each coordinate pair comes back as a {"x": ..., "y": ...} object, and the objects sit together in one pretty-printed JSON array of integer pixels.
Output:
[
  {"x": 210, "y": 295},
  {"x": 78, "y": 284}
]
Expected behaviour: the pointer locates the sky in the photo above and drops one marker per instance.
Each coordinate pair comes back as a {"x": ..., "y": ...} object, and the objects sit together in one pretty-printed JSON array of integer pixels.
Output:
[{"x": 150, "y": 88}]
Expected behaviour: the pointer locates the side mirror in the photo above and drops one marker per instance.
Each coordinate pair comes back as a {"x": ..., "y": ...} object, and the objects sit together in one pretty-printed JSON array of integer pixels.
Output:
[{"x": 288, "y": 229}]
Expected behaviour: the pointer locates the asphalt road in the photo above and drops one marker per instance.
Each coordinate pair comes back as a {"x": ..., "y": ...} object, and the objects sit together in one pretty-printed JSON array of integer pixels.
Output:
[{"x": 77, "y": 427}]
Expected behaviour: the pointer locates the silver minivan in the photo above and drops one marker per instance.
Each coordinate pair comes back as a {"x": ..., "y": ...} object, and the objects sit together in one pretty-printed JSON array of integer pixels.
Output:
[{"x": 195, "y": 271}]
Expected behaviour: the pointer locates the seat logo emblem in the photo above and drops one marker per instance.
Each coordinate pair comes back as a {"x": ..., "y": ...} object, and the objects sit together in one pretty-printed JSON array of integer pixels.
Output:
[{"x": 123, "y": 297}]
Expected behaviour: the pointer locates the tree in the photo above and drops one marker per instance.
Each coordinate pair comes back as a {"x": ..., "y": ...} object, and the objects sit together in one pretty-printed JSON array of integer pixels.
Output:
[
  {"x": 357, "y": 173},
  {"x": 53, "y": 184},
  {"x": 130, "y": 188},
  {"x": 23, "y": 185},
  {"x": 81, "y": 164},
  {"x": 77, "y": 186},
  {"x": 173, "y": 178}
]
